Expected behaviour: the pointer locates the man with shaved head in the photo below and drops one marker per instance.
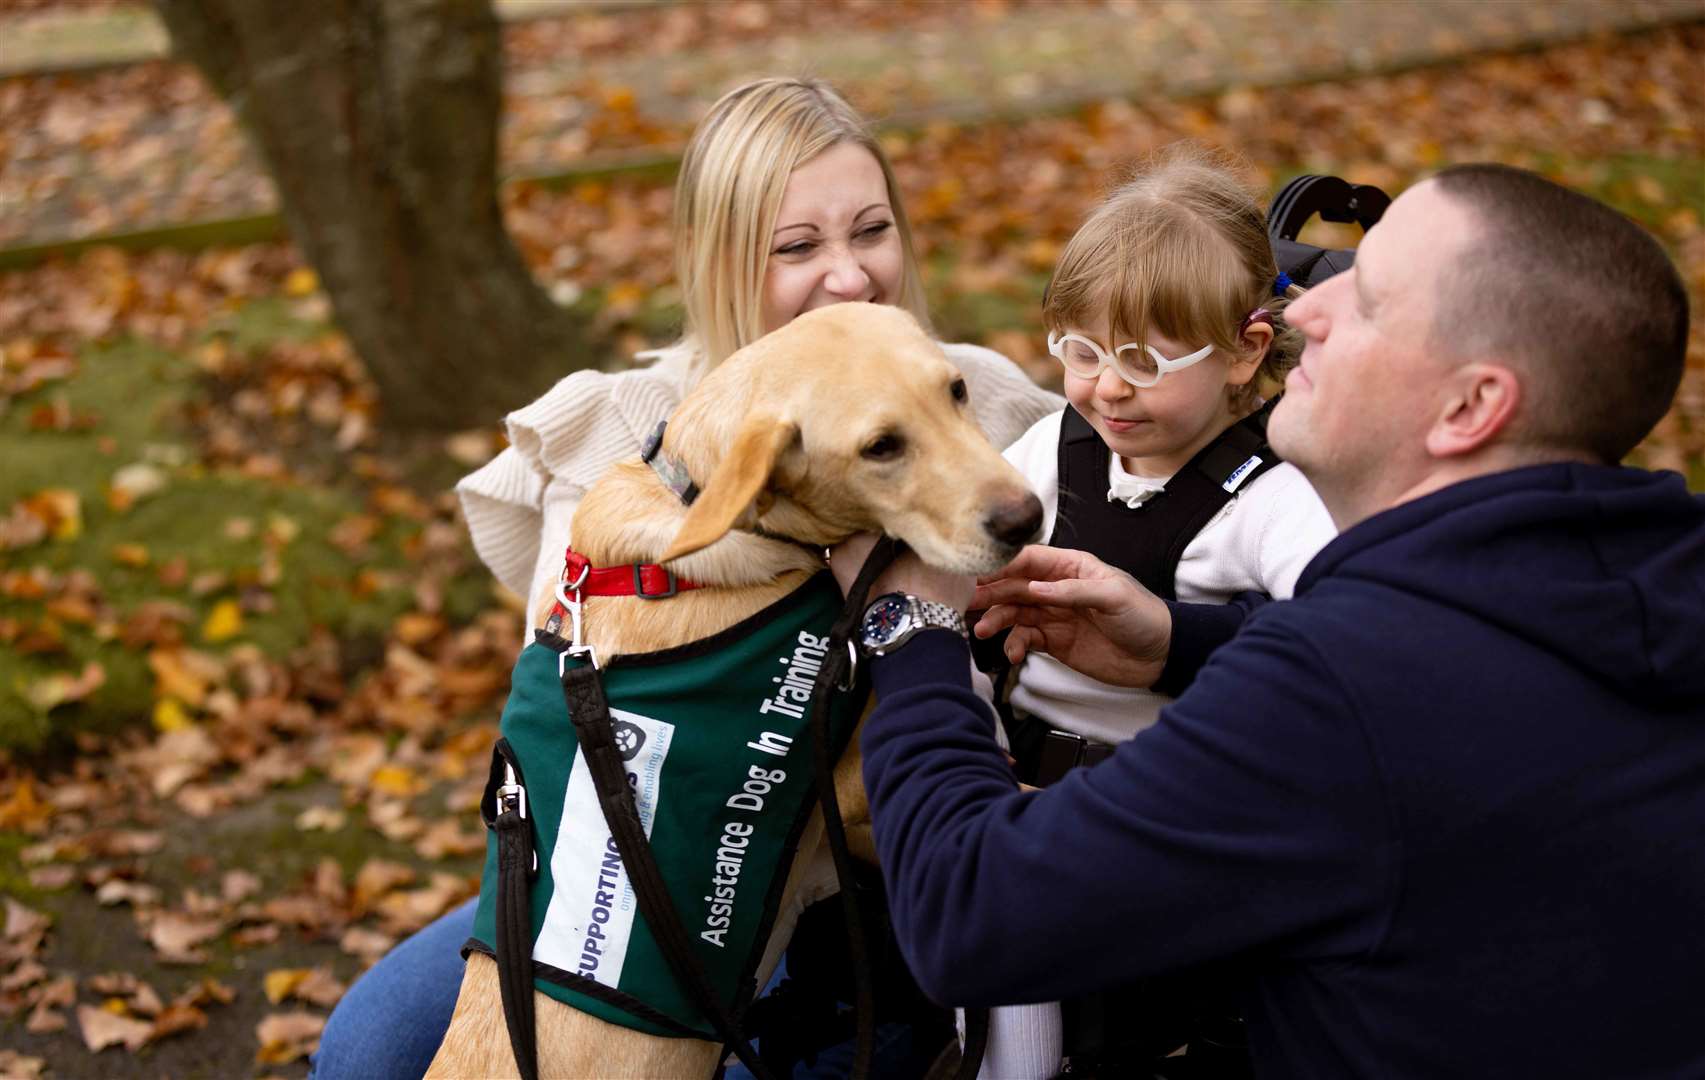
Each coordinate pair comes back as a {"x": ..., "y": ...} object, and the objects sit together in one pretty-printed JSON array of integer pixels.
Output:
[{"x": 1443, "y": 813}]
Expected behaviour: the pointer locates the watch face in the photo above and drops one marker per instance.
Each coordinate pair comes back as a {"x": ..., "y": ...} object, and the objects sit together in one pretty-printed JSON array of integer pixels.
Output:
[{"x": 883, "y": 620}]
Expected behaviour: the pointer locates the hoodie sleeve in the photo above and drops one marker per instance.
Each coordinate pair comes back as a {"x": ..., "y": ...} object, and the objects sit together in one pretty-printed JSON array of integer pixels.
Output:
[
  {"x": 1251, "y": 816},
  {"x": 1197, "y": 630}
]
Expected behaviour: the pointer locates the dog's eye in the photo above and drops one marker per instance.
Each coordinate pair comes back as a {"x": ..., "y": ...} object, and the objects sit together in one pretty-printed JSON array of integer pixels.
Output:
[
  {"x": 884, "y": 448},
  {"x": 960, "y": 394}
]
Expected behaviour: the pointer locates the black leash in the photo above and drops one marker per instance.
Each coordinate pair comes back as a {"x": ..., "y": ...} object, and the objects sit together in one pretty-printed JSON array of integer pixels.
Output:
[
  {"x": 583, "y": 690},
  {"x": 836, "y": 675},
  {"x": 976, "y": 1041},
  {"x": 516, "y": 865}
]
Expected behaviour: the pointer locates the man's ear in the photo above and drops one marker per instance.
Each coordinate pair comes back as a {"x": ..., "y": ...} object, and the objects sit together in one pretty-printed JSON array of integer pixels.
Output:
[
  {"x": 737, "y": 482},
  {"x": 1482, "y": 401}
]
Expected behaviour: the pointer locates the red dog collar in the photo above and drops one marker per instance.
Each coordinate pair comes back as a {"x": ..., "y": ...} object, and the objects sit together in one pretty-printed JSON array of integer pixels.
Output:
[{"x": 648, "y": 581}]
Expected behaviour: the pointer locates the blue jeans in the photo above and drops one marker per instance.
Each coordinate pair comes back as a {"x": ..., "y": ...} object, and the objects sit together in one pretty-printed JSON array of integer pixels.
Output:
[{"x": 388, "y": 1026}]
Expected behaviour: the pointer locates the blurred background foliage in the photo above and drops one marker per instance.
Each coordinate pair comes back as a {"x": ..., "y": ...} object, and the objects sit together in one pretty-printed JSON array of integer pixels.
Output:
[{"x": 228, "y": 576}]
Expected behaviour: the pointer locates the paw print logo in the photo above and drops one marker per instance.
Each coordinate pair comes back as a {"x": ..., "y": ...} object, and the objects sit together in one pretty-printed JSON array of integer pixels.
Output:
[{"x": 629, "y": 738}]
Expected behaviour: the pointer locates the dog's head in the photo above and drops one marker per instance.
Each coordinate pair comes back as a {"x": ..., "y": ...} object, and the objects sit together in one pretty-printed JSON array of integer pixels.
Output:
[{"x": 849, "y": 419}]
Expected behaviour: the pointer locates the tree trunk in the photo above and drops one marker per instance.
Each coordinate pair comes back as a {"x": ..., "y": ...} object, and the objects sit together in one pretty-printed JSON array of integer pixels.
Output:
[{"x": 378, "y": 121}]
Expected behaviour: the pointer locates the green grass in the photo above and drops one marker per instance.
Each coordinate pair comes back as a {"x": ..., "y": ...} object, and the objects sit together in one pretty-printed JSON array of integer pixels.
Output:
[
  {"x": 1625, "y": 182},
  {"x": 973, "y": 315}
]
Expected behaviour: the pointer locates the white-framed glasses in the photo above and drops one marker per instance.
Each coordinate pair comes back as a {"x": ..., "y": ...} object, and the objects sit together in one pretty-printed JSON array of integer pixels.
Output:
[{"x": 1138, "y": 364}]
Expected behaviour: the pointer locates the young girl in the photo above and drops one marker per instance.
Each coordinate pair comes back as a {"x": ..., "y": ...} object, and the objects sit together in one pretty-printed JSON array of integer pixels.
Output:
[{"x": 1164, "y": 311}]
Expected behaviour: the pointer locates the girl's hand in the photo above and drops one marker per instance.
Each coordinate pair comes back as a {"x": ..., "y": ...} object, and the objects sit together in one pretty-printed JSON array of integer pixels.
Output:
[{"x": 1082, "y": 612}]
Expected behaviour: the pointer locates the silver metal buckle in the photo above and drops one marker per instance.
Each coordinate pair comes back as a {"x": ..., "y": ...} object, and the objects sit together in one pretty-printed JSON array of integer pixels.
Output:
[
  {"x": 510, "y": 795},
  {"x": 576, "y": 651},
  {"x": 511, "y": 789},
  {"x": 851, "y": 678}
]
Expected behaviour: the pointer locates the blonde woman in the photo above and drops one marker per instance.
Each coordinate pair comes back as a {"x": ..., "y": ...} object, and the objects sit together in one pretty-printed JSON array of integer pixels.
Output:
[{"x": 784, "y": 203}]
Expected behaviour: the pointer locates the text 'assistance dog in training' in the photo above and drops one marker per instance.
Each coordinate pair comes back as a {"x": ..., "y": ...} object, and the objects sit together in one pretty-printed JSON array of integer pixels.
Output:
[{"x": 671, "y": 685}]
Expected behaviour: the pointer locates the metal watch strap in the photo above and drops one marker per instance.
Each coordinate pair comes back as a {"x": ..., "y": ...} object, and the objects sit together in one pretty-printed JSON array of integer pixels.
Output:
[{"x": 936, "y": 616}]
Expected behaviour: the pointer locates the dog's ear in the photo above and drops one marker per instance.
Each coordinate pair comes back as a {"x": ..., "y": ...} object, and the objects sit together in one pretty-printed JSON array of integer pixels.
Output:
[{"x": 738, "y": 480}]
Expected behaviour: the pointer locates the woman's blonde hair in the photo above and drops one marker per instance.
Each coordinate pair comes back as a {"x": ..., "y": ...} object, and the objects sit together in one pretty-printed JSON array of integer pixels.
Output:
[
  {"x": 1180, "y": 248},
  {"x": 729, "y": 192}
]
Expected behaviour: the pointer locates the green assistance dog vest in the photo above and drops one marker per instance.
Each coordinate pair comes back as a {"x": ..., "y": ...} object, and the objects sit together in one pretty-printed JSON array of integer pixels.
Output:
[{"x": 715, "y": 740}]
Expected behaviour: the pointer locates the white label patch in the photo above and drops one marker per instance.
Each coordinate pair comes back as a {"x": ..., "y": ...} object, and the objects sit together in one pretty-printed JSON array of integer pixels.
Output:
[
  {"x": 1241, "y": 473},
  {"x": 592, "y": 906}
]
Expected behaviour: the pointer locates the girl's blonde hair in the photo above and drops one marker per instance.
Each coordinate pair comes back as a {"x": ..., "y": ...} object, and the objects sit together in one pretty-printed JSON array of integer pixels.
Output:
[
  {"x": 729, "y": 192},
  {"x": 1180, "y": 248}
]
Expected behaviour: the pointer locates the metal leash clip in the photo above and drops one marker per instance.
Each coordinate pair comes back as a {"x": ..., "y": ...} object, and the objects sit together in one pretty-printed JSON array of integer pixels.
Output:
[{"x": 576, "y": 647}]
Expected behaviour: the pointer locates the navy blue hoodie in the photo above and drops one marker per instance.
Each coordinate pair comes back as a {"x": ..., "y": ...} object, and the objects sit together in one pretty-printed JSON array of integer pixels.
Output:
[{"x": 1442, "y": 814}]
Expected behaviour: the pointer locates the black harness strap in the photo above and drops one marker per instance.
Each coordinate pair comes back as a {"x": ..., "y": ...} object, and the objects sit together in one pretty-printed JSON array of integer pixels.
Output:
[
  {"x": 976, "y": 1041},
  {"x": 516, "y": 864},
  {"x": 583, "y": 690},
  {"x": 835, "y": 674},
  {"x": 1148, "y": 542},
  {"x": 515, "y": 938}
]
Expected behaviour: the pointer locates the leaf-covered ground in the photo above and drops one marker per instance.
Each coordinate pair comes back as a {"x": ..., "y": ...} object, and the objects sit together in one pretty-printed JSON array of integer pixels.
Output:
[
  {"x": 149, "y": 145},
  {"x": 249, "y": 669}
]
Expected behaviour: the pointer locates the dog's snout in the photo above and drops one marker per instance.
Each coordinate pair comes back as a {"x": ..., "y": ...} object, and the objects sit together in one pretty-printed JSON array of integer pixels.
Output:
[{"x": 1015, "y": 521}]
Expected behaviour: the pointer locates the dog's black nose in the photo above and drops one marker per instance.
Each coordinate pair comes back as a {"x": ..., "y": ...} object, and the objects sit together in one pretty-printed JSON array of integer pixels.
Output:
[{"x": 1015, "y": 522}]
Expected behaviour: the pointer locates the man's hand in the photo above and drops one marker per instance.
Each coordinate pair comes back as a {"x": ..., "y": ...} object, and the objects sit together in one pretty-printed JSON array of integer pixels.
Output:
[
  {"x": 907, "y": 575},
  {"x": 1077, "y": 609}
]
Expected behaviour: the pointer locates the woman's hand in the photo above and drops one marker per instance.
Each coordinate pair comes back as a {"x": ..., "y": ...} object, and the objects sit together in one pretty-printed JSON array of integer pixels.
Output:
[
  {"x": 907, "y": 575},
  {"x": 1082, "y": 612}
]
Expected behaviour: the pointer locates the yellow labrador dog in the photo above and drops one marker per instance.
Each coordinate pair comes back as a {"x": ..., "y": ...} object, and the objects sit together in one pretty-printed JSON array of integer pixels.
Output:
[{"x": 848, "y": 419}]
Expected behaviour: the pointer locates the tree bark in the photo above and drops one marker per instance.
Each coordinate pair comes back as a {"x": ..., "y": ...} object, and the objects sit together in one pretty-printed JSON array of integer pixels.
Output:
[{"x": 378, "y": 122}]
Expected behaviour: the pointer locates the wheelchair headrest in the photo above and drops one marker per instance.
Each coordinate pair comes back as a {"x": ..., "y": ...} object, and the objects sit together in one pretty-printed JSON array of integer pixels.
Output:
[{"x": 1334, "y": 200}]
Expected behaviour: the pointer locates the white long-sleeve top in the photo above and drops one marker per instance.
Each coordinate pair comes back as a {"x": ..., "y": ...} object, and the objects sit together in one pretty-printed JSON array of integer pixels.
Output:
[
  {"x": 1259, "y": 541},
  {"x": 519, "y": 505}
]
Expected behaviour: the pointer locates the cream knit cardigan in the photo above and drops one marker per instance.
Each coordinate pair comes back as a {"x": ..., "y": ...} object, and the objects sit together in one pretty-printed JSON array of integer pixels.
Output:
[{"x": 520, "y": 504}]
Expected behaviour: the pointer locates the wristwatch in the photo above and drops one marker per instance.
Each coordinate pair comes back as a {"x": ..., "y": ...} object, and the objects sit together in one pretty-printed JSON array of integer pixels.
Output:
[{"x": 893, "y": 619}]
